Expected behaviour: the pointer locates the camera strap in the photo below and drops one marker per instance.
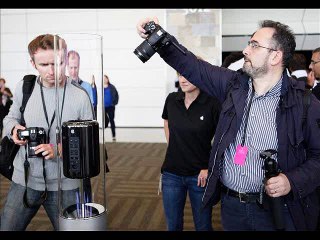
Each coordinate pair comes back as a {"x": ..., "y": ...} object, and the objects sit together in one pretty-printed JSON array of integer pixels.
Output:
[
  {"x": 43, "y": 196},
  {"x": 247, "y": 118},
  {"x": 54, "y": 113}
]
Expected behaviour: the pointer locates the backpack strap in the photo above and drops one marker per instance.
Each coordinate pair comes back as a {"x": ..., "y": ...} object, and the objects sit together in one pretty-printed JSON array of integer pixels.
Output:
[{"x": 27, "y": 88}]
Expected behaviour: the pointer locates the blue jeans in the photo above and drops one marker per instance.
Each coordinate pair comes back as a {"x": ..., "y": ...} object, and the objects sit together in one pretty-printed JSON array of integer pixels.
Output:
[
  {"x": 174, "y": 194},
  {"x": 237, "y": 216},
  {"x": 16, "y": 217}
]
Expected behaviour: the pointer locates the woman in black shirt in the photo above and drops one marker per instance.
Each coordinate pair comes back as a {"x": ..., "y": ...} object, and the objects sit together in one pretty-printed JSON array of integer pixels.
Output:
[{"x": 190, "y": 120}]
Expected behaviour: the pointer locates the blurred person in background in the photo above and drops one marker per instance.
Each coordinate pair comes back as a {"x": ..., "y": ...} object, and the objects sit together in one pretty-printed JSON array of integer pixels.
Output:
[
  {"x": 6, "y": 102},
  {"x": 111, "y": 99},
  {"x": 73, "y": 66},
  {"x": 315, "y": 71}
]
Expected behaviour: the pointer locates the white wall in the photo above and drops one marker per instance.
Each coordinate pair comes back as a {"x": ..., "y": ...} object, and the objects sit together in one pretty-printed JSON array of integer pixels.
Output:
[{"x": 141, "y": 86}]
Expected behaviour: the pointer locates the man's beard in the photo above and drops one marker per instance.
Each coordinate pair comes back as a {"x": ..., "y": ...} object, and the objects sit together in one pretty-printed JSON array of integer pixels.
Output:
[{"x": 255, "y": 72}]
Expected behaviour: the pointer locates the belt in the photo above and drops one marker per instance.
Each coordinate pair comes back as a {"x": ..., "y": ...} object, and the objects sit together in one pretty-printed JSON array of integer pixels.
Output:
[{"x": 243, "y": 197}]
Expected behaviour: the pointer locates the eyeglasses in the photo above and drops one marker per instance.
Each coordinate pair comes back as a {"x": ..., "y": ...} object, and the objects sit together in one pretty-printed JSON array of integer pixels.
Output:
[
  {"x": 314, "y": 62},
  {"x": 255, "y": 45}
]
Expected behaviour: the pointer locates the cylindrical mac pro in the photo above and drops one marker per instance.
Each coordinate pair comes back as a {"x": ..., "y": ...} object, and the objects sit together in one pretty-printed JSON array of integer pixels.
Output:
[{"x": 80, "y": 149}]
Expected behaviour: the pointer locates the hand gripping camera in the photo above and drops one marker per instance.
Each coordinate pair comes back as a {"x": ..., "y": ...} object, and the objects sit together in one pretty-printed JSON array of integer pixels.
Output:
[
  {"x": 157, "y": 38},
  {"x": 35, "y": 136},
  {"x": 275, "y": 203}
]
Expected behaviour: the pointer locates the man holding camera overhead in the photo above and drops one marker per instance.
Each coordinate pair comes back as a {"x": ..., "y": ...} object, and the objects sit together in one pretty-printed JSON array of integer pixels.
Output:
[
  {"x": 35, "y": 179},
  {"x": 262, "y": 112}
]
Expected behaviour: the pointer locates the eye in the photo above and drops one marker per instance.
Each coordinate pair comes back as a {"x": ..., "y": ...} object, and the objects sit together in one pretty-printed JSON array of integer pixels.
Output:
[{"x": 254, "y": 45}]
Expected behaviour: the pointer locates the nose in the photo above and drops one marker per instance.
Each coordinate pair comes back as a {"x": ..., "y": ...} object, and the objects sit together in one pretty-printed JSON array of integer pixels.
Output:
[
  {"x": 311, "y": 66},
  {"x": 51, "y": 69},
  {"x": 245, "y": 50},
  {"x": 72, "y": 71}
]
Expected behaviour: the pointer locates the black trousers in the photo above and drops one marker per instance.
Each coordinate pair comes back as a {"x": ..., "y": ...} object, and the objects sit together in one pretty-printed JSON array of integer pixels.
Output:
[{"x": 109, "y": 113}]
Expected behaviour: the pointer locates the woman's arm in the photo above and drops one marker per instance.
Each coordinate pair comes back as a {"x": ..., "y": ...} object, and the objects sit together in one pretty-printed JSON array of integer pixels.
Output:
[{"x": 166, "y": 130}]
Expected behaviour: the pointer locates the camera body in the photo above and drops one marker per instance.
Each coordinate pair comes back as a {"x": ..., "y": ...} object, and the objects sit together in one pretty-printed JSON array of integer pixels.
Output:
[
  {"x": 35, "y": 136},
  {"x": 157, "y": 38}
]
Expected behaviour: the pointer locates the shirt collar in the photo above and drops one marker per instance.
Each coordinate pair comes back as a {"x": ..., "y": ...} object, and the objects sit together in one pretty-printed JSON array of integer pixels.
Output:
[{"x": 202, "y": 97}]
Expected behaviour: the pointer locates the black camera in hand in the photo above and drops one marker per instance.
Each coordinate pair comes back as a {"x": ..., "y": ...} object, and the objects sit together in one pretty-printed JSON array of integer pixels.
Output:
[
  {"x": 35, "y": 136},
  {"x": 275, "y": 204},
  {"x": 157, "y": 38}
]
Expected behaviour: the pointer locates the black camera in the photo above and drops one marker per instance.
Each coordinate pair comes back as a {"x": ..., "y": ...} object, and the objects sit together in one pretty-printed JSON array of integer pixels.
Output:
[
  {"x": 35, "y": 136},
  {"x": 157, "y": 38}
]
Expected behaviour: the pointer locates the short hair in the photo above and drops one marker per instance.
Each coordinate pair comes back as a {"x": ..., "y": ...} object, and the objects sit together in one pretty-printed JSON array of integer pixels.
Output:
[
  {"x": 2, "y": 79},
  {"x": 105, "y": 75},
  {"x": 316, "y": 50},
  {"x": 283, "y": 39},
  {"x": 298, "y": 62},
  {"x": 45, "y": 42},
  {"x": 73, "y": 54}
]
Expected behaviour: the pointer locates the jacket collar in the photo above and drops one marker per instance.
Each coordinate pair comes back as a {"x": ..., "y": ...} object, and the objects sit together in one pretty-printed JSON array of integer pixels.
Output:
[{"x": 290, "y": 97}]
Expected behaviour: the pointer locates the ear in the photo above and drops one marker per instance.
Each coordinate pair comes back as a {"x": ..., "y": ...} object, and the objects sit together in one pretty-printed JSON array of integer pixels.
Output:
[{"x": 276, "y": 57}]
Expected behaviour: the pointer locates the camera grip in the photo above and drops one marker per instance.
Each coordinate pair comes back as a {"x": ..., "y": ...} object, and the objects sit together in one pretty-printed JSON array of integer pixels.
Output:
[{"x": 276, "y": 204}]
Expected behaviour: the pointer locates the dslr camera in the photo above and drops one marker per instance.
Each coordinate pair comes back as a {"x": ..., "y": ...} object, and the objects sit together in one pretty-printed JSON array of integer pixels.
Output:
[
  {"x": 35, "y": 136},
  {"x": 157, "y": 38}
]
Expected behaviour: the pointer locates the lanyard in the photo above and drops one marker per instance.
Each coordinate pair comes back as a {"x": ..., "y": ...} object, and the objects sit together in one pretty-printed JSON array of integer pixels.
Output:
[
  {"x": 54, "y": 113},
  {"x": 246, "y": 119}
]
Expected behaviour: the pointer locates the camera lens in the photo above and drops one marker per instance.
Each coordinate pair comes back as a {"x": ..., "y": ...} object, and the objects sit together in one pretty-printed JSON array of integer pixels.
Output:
[{"x": 144, "y": 51}]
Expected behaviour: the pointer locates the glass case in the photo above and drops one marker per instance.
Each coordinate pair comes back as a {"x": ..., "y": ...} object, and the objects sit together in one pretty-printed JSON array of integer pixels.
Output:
[{"x": 80, "y": 142}]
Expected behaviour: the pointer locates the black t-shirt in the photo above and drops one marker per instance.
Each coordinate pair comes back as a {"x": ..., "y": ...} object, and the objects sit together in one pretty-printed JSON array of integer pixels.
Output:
[{"x": 191, "y": 132}]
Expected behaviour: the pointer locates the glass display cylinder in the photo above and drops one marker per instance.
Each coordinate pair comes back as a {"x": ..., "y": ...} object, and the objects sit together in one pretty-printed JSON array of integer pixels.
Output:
[{"x": 80, "y": 142}]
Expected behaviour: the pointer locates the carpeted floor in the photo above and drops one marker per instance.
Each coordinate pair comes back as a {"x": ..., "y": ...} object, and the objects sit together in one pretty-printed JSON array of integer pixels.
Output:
[{"x": 133, "y": 202}]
